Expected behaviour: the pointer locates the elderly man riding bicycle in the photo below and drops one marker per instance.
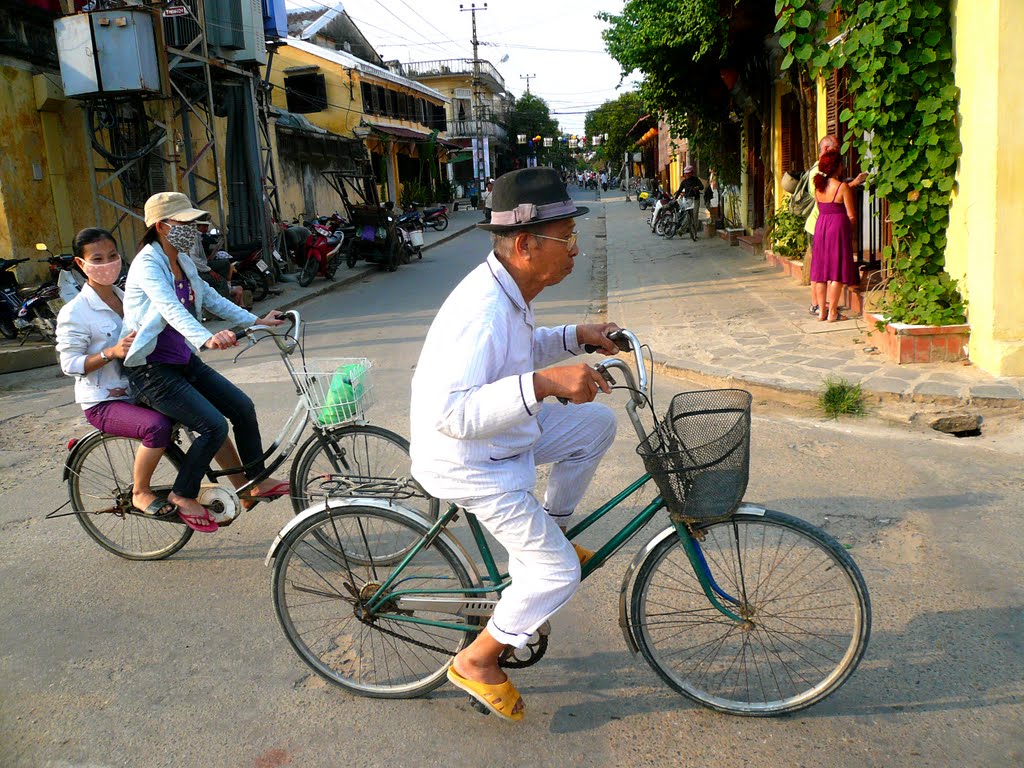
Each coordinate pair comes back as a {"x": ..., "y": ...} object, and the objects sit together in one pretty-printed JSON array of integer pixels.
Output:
[{"x": 480, "y": 426}]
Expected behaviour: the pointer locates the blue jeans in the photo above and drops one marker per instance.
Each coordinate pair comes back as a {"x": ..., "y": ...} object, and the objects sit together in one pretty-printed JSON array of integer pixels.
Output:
[{"x": 200, "y": 398}]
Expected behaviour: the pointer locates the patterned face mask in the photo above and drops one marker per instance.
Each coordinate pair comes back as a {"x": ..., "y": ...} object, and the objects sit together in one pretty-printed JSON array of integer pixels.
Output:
[
  {"x": 183, "y": 236},
  {"x": 104, "y": 274}
]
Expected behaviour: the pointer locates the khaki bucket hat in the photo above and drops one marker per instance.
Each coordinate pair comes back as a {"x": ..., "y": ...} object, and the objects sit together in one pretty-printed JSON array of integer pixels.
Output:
[{"x": 171, "y": 205}]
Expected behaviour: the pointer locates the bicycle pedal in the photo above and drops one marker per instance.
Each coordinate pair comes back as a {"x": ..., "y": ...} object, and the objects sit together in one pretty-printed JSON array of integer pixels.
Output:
[{"x": 483, "y": 710}]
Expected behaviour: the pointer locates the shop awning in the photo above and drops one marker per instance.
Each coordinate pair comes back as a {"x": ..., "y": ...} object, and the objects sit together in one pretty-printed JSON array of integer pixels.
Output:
[{"x": 411, "y": 135}]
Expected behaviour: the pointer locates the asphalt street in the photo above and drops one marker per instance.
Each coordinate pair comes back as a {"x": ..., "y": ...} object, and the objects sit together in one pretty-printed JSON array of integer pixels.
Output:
[{"x": 106, "y": 662}]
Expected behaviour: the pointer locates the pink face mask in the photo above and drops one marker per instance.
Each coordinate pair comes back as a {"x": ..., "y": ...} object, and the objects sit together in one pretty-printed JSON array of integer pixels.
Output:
[{"x": 104, "y": 274}]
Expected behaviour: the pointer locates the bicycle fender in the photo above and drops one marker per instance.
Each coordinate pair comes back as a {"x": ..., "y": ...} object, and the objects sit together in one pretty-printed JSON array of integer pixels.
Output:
[
  {"x": 356, "y": 501},
  {"x": 625, "y": 622},
  {"x": 77, "y": 448}
]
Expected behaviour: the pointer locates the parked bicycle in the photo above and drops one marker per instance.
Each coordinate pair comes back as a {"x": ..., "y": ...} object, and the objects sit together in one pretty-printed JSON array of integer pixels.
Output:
[
  {"x": 740, "y": 608},
  {"x": 684, "y": 218},
  {"x": 343, "y": 455}
]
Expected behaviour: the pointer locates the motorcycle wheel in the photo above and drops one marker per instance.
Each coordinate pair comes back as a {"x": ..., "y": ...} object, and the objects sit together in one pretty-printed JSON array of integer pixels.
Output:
[
  {"x": 309, "y": 270},
  {"x": 7, "y": 328},
  {"x": 332, "y": 266},
  {"x": 46, "y": 324},
  {"x": 643, "y": 205},
  {"x": 670, "y": 229},
  {"x": 255, "y": 282},
  {"x": 440, "y": 222},
  {"x": 659, "y": 228},
  {"x": 351, "y": 258},
  {"x": 406, "y": 254}
]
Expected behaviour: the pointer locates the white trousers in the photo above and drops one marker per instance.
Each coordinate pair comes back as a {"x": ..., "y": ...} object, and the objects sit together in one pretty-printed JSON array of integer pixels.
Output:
[{"x": 542, "y": 564}]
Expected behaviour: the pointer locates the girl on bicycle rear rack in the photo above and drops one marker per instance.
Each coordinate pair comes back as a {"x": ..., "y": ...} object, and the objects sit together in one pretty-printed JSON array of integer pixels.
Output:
[
  {"x": 164, "y": 299},
  {"x": 91, "y": 349}
]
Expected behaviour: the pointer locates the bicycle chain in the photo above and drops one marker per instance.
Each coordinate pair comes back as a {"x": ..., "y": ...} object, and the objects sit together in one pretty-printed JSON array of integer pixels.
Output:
[{"x": 406, "y": 638}]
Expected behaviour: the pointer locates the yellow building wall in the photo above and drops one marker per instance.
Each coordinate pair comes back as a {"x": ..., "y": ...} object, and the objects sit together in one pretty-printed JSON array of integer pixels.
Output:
[
  {"x": 983, "y": 249},
  {"x": 778, "y": 92},
  {"x": 45, "y": 192}
]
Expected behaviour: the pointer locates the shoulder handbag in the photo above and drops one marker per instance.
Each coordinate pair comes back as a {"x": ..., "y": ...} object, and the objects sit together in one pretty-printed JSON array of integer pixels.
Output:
[{"x": 802, "y": 202}]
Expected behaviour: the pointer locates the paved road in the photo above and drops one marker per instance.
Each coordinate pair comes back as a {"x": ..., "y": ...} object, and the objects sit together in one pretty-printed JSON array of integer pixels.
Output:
[{"x": 105, "y": 662}]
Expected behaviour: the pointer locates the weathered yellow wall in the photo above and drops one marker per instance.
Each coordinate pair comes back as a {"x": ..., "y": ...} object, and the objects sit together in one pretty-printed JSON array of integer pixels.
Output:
[
  {"x": 983, "y": 250},
  {"x": 30, "y": 175},
  {"x": 778, "y": 92}
]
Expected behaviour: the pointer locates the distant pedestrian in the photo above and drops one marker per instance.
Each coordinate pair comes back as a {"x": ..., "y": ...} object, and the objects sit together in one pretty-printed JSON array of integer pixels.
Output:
[
  {"x": 832, "y": 258},
  {"x": 485, "y": 200},
  {"x": 713, "y": 197}
]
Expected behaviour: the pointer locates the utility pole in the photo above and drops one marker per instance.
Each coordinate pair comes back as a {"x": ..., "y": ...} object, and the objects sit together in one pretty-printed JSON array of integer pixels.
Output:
[
  {"x": 478, "y": 107},
  {"x": 527, "y": 78}
]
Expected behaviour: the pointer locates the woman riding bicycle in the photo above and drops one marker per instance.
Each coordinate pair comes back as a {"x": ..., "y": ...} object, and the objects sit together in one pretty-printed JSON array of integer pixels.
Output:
[
  {"x": 91, "y": 349},
  {"x": 163, "y": 301}
]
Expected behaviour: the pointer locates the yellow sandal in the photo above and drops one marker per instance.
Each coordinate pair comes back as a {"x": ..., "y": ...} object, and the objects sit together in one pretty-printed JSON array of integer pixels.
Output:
[{"x": 502, "y": 699}]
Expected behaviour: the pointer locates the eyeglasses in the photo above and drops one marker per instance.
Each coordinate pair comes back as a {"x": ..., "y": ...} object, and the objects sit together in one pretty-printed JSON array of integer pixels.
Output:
[{"x": 569, "y": 241}]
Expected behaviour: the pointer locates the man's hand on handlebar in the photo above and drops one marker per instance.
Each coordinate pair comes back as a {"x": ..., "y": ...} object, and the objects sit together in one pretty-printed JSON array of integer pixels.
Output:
[
  {"x": 273, "y": 317},
  {"x": 596, "y": 334},
  {"x": 221, "y": 340},
  {"x": 576, "y": 383}
]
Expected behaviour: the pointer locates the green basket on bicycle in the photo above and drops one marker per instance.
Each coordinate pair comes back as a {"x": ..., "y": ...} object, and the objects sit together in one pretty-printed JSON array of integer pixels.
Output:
[
  {"x": 699, "y": 455},
  {"x": 338, "y": 390}
]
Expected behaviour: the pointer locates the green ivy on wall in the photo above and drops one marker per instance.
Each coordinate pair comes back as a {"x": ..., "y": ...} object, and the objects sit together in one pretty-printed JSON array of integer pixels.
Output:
[{"x": 899, "y": 58}]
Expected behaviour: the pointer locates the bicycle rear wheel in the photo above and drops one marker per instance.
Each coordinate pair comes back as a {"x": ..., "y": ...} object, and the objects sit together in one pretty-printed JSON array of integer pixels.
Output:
[
  {"x": 325, "y": 572},
  {"x": 100, "y": 489},
  {"x": 807, "y": 609}
]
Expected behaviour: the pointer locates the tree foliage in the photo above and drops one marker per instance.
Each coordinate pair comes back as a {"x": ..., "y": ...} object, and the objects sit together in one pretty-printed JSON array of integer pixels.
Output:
[
  {"x": 681, "y": 47},
  {"x": 899, "y": 58},
  {"x": 615, "y": 118}
]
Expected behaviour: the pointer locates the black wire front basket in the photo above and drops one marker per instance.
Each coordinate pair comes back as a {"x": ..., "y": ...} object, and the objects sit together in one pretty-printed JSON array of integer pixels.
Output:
[{"x": 699, "y": 455}]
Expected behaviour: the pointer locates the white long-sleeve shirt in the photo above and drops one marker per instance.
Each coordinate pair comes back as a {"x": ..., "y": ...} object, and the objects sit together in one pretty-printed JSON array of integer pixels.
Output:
[{"x": 473, "y": 408}]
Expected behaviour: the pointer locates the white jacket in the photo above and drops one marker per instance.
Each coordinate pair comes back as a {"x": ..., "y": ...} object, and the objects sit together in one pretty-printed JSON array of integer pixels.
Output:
[
  {"x": 85, "y": 325},
  {"x": 474, "y": 411}
]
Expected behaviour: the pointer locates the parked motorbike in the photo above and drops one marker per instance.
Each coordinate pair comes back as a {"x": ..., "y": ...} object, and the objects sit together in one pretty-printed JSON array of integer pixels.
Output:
[
  {"x": 324, "y": 252},
  {"x": 436, "y": 217},
  {"x": 658, "y": 215},
  {"x": 22, "y": 313},
  {"x": 252, "y": 273}
]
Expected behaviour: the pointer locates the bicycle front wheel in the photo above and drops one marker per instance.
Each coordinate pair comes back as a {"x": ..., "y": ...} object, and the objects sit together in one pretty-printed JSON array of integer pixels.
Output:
[
  {"x": 325, "y": 573},
  {"x": 807, "y": 609},
  {"x": 358, "y": 460},
  {"x": 100, "y": 490}
]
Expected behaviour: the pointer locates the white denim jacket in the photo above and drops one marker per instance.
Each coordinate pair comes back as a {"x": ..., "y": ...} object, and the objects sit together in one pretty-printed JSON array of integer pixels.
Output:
[
  {"x": 474, "y": 412},
  {"x": 150, "y": 304},
  {"x": 85, "y": 325}
]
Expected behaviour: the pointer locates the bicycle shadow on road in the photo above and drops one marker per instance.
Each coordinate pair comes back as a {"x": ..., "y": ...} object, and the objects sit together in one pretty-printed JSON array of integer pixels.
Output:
[{"x": 940, "y": 662}]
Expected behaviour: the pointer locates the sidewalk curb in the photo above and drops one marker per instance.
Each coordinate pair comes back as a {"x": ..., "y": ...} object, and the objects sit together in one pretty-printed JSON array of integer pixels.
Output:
[{"x": 809, "y": 397}]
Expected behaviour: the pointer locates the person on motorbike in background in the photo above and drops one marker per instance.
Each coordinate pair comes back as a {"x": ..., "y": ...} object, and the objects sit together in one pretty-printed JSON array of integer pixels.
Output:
[{"x": 689, "y": 186}]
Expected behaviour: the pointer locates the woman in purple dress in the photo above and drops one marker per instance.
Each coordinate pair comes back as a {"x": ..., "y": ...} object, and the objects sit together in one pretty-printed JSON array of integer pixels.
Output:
[{"x": 832, "y": 252}]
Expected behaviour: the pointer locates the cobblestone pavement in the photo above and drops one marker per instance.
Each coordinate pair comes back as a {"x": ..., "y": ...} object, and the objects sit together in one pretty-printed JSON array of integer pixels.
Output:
[{"x": 718, "y": 311}]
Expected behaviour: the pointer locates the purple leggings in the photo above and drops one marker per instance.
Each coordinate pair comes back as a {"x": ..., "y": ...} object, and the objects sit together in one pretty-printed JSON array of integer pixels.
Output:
[{"x": 124, "y": 419}]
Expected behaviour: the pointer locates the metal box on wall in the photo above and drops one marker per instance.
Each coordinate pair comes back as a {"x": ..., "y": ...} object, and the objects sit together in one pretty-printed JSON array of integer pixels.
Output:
[{"x": 107, "y": 52}]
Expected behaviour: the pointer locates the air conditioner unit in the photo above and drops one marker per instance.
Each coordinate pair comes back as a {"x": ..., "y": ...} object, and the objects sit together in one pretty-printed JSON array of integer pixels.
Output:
[{"x": 254, "y": 48}]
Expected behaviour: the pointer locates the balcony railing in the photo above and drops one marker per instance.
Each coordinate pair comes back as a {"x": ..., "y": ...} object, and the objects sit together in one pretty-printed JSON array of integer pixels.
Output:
[
  {"x": 467, "y": 128},
  {"x": 438, "y": 67}
]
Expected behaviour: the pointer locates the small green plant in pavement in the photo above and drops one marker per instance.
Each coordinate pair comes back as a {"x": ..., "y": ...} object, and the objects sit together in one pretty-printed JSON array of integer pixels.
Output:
[{"x": 840, "y": 397}]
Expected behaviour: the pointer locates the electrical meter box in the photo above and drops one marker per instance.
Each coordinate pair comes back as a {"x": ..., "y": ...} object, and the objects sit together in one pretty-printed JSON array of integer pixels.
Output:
[{"x": 107, "y": 52}]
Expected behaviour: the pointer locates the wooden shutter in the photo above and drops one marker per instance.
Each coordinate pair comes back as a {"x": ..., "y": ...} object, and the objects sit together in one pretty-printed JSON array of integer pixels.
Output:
[
  {"x": 786, "y": 132},
  {"x": 832, "y": 108}
]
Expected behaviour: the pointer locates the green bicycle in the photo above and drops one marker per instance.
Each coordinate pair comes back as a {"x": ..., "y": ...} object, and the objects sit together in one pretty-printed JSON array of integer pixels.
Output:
[{"x": 742, "y": 609}]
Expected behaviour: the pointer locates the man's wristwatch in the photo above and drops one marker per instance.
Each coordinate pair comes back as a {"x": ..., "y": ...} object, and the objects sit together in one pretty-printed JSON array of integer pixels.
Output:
[{"x": 103, "y": 356}]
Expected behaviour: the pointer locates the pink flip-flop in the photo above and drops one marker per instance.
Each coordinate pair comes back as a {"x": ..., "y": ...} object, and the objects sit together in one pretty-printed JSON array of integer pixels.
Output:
[
  {"x": 253, "y": 498},
  {"x": 203, "y": 524}
]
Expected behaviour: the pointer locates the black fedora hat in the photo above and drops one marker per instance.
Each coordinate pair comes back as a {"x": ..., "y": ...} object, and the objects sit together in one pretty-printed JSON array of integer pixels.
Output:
[{"x": 529, "y": 196}]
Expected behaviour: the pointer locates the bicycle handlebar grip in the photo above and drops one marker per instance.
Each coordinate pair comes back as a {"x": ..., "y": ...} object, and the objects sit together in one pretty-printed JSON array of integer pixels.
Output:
[{"x": 620, "y": 341}]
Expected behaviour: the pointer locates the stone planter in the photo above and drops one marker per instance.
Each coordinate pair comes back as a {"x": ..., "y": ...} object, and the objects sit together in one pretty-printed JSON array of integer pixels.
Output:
[{"x": 903, "y": 343}]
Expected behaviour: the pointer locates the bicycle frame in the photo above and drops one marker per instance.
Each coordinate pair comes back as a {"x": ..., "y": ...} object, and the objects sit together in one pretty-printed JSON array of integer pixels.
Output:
[
  {"x": 495, "y": 581},
  {"x": 295, "y": 425}
]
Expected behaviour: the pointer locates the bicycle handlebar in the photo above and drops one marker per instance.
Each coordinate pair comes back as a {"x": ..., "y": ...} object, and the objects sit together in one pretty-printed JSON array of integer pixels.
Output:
[
  {"x": 286, "y": 340},
  {"x": 626, "y": 341}
]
